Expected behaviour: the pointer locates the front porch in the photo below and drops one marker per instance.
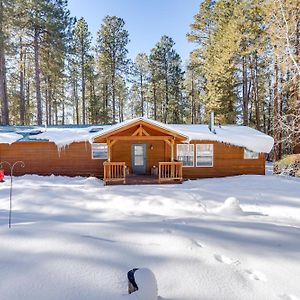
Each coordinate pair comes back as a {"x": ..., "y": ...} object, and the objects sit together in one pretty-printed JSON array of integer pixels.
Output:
[
  {"x": 118, "y": 173},
  {"x": 141, "y": 152}
]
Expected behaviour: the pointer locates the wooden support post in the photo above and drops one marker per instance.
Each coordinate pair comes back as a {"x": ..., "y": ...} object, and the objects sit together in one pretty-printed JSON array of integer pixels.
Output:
[
  {"x": 108, "y": 151},
  {"x": 172, "y": 158},
  {"x": 172, "y": 150},
  {"x": 110, "y": 143}
]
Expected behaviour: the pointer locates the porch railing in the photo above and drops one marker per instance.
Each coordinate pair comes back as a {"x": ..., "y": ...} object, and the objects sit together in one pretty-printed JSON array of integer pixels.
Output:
[
  {"x": 169, "y": 171},
  {"x": 114, "y": 171}
]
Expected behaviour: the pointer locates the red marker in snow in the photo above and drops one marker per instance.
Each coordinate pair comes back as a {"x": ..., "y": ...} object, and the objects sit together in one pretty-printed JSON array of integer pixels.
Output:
[{"x": 1, "y": 175}]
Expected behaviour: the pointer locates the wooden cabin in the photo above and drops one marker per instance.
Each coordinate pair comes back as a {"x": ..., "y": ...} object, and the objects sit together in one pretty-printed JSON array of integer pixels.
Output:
[{"x": 138, "y": 148}]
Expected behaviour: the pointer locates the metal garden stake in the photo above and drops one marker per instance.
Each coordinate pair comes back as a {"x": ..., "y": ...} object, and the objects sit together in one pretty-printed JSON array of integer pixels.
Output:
[{"x": 11, "y": 169}]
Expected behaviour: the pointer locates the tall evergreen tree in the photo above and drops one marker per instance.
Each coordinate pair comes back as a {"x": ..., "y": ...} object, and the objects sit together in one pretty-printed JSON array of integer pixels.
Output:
[
  {"x": 82, "y": 43},
  {"x": 165, "y": 65},
  {"x": 112, "y": 40},
  {"x": 141, "y": 74}
]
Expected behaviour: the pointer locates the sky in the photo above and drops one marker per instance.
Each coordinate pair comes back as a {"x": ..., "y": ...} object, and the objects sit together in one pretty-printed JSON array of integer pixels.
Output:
[{"x": 145, "y": 20}]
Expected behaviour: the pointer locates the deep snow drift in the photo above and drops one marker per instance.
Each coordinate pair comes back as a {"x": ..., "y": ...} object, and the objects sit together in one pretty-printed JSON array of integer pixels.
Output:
[{"x": 74, "y": 239}]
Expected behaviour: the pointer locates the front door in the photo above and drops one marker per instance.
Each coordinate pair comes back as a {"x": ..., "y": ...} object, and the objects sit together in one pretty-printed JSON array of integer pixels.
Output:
[{"x": 138, "y": 154}]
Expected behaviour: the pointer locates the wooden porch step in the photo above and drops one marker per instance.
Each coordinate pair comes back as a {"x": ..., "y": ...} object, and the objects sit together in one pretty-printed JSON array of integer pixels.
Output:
[{"x": 133, "y": 179}]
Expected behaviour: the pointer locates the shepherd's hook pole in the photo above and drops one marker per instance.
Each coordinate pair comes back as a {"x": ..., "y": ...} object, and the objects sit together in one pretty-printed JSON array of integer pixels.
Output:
[{"x": 11, "y": 169}]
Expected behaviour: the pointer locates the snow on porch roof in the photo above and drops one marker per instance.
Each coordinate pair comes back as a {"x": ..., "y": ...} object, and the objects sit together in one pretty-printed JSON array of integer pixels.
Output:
[
  {"x": 120, "y": 125},
  {"x": 63, "y": 136}
]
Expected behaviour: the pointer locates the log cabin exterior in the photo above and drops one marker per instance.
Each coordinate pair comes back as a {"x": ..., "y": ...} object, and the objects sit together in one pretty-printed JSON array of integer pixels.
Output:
[{"x": 141, "y": 147}]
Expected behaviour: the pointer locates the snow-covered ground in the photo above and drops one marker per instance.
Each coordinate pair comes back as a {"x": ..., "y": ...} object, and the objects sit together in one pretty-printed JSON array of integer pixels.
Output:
[{"x": 74, "y": 239}]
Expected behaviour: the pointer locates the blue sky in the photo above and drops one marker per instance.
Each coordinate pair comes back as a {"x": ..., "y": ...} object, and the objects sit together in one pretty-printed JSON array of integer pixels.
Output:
[{"x": 145, "y": 20}]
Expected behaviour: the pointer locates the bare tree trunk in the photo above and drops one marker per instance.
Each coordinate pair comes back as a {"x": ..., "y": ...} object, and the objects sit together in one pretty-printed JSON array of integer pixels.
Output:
[
  {"x": 47, "y": 101},
  {"x": 121, "y": 110},
  {"x": 193, "y": 108},
  {"x": 105, "y": 102},
  {"x": 27, "y": 116},
  {"x": 83, "y": 88},
  {"x": 280, "y": 104},
  {"x": 22, "y": 92},
  {"x": 50, "y": 107},
  {"x": 63, "y": 114},
  {"x": 56, "y": 111},
  {"x": 37, "y": 77},
  {"x": 275, "y": 109},
  {"x": 3, "y": 91},
  {"x": 296, "y": 141},
  {"x": 245, "y": 95},
  {"x": 269, "y": 108},
  {"x": 76, "y": 101},
  {"x": 255, "y": 94},
  {"x": 3, "y": 84},
  {"x": 96, "y": 107},
  {"x": 154, "y": 100},
  {"x": 50, "y": 97},
  {"x": 142, "y": 95},
  {"x": 113, "y": 98},
  {"x": 166, "y": 105}
]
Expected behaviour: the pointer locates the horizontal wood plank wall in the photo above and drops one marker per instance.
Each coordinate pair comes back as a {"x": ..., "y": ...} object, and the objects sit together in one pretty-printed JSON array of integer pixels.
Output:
[
  {"x": 228, "y": 161},
  {"x": 43, "y": 158},
  {"x": 121, "y": 151}
]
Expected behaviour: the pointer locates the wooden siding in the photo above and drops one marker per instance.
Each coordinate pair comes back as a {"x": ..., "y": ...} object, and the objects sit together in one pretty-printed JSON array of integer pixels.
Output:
[
  {"x": 228, "y": 161},
  {"x": 43, "y": 158},
  {"x": 121, "y": 151}
]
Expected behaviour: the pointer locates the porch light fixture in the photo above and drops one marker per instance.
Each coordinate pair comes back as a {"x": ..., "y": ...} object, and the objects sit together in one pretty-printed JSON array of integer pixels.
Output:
[{"x": 151, "y": 147}]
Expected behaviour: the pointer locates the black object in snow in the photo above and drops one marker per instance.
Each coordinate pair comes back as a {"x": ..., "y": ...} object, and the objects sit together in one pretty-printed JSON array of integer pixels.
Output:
[{"x": 131, "y": 279}]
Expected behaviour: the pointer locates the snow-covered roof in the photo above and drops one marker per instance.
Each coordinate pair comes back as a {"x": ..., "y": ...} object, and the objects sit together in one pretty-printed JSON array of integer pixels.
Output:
[
  {"x": 236, "y": 135},
  {"x": 63, "y": 137},
  {"x": 9, "y": 137}
]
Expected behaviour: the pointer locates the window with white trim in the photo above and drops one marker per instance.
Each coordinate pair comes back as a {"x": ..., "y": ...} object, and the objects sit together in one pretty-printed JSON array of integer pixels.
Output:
[
  {"x": 185, "y": 153},
  {"x": 99, "y": 151},
  {"x": 204, "y": 155},
  {"x": 248, "y": 154}
]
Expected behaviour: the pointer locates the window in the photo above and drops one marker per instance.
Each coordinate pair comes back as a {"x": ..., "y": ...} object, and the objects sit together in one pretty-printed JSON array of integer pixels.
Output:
[
  {"x": 204, "y": 155},
  {"x": 99, "y": 151},
  {"x": 248, "y": 154},
  {"x": 139, "y": 155},
  {"x": 185, "y": 153}
]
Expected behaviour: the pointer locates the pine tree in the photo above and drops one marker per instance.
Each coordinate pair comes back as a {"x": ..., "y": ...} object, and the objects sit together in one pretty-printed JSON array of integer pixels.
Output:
[
  {"x": 166, "y": 77},
  {"x": 194, "y": 89},
  {"x": 141, "y": 74},
  {"x": 82, "y": 42},
  {"x": 112, "y": 40}
]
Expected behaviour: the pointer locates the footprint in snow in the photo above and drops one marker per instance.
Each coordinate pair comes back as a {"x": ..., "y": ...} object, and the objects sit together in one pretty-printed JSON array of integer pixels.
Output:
[
  {"x": 224, "y": 259},
  {"x": 256, "y": 275},
  {"x": 288, "y": 297},
  {"x": 198, "y": 244}
]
